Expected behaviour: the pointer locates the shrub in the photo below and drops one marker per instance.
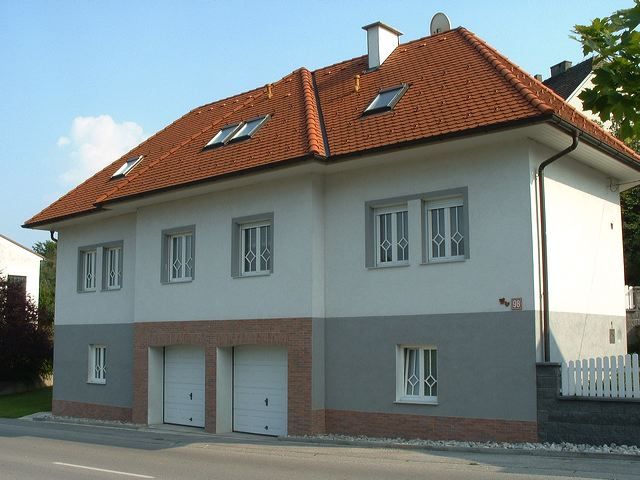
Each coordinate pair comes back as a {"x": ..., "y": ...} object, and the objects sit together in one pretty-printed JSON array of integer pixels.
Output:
[{"x": 26, "y": 349}]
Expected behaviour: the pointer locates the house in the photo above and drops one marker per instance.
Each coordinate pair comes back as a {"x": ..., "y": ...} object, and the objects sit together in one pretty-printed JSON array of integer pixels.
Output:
[
  {"x": 569, "y": 81},
  {"x": 356, "y": 249},
  {"x": 21, "y": 265}
]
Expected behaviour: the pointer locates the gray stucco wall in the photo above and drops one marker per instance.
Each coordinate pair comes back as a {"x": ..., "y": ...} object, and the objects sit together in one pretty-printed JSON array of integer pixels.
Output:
[
  {"x": 71, "y": 363},
  {"x": 486, "y": 363}
]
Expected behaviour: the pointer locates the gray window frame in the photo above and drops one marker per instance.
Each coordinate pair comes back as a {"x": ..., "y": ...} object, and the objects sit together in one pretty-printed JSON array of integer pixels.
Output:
[
  {"x": 164, "y": 253},
  {"x": 80, "y": 268},
  {"x": 91, "y": 378},
  {"x": 105, "y": 283},
  {"x": 236, "y": 225},
  {"x": 370, "y": 223}
]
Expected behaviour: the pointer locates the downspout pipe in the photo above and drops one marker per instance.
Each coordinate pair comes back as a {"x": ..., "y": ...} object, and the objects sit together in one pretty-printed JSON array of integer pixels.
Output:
[{"x": 544, "y": 261}]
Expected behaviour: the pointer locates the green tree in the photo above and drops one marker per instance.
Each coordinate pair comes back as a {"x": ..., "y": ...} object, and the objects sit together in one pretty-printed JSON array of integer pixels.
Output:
[
  {"x": 47, "y": 297},
  {"x": 26, "y": 350},
  {"x": 615, "y": 43},
  {"x": 630, "y": 204}
]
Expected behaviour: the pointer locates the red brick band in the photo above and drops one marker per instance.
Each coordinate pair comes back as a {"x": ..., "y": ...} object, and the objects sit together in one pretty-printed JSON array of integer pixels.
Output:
[
  {"x": 65, "y": 408},
  {"x": 292, "y": 333},
  {"x": 429, "y": 427}
]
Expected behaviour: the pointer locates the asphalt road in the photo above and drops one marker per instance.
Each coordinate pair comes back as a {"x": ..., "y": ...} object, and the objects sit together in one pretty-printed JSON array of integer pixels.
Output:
[{"x": 51, "y": 451}]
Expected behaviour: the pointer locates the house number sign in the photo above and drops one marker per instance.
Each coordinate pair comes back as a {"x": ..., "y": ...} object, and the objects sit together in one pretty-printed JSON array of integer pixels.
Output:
[{"x": 516, "y": 303}]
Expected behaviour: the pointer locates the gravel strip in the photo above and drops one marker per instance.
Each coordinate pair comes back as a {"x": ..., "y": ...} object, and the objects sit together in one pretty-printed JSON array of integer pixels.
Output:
[
  {"x": 629, "y": 451},
  {"x": 48, "y": 417}
]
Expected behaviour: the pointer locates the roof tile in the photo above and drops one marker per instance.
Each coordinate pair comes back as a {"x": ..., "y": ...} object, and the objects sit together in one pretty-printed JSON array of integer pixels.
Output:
[{"x": 456, "y": 81}]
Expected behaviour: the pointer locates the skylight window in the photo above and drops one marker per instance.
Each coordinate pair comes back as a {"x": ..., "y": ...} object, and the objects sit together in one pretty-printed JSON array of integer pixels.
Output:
[
  {"x": 236, "y": 131},
  {"x": 386, "y": 99},
  {"x": 249, "y": 128},
  {"x": 126, "y": 167},
  {"x": 223, "y": 135}
]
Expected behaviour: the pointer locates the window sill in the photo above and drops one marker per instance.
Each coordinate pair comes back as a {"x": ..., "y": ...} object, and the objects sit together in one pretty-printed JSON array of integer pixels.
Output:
[
  {"x": 88, "y": 291},
  {"x": 444, "y": 260},
  {"x": 112, "y": 289},
  {"x": 97, "y": 382},
  {"x": 391, "y": 265},
  {"x": 253, "y": 275},
  {"x": 178, "y": 282},
  {"x": 416, "y": 402}
]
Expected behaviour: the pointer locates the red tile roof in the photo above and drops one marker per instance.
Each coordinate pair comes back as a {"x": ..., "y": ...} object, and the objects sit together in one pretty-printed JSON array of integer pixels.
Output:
[{"x": 457, "y": 84}]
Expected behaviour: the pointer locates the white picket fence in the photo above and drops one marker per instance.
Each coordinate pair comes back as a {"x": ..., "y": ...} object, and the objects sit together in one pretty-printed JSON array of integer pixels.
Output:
[{"x": 607, "y": 377}]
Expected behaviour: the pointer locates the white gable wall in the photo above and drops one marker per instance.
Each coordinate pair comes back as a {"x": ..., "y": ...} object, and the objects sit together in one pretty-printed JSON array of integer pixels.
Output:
[
  {"x": 15, "y": 260},
  {"x": 586, "y": 269}
]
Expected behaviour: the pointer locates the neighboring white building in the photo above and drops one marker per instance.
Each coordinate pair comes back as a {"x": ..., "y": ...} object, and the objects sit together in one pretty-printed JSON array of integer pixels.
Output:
[
  {"x": 569, "y": 81},
  {"x": 357, "y": 249},
  {"x": 20, "y": 264}
]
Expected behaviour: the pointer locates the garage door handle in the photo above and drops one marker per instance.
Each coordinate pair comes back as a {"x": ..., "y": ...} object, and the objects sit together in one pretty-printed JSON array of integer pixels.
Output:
[
  {"x": 266, "y": 402},
  {"x": 191, "y": 396}
]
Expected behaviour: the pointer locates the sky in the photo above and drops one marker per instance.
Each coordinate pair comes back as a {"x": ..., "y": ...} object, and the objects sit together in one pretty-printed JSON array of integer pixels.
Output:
[{"x": 83, "y": 82}]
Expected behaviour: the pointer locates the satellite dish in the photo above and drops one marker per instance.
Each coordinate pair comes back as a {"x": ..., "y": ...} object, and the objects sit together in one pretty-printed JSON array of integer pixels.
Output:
[{"x": 440, "y": 23}]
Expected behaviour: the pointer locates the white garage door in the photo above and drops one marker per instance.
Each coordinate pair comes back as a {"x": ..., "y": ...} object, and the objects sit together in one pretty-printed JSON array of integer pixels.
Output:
[
  {"x": 184, "y": 386},
  {"x": 260, "y": 390}
]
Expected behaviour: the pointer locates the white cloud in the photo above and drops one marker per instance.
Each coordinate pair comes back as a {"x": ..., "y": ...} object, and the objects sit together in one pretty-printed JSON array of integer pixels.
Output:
[{"x": 95, "y": 142}]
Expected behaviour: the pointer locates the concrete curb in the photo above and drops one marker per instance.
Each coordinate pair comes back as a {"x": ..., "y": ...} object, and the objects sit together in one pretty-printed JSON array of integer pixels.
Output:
[{"x": 451, "y": 448}]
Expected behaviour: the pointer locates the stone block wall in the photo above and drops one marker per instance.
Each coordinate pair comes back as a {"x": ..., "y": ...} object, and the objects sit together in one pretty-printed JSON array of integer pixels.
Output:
[{"x": 581, "y": 419}]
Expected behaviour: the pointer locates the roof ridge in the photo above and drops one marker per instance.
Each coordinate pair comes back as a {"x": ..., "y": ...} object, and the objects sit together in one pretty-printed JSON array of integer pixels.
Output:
[
  {"x": 260, "y": 92},
  {"x": 312, "y": 117},
  {"x": 496, "y": 60}
]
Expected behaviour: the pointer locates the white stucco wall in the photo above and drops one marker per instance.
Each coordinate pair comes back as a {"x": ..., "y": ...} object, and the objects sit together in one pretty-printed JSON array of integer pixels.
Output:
[
  {"x": 315, "y": 214},
  {"x": 586, "y": 269},
  {"x": 500, "y": 240},
  {"x": 214, "y": 294},
  {"x": 112, "y": 306},
  {"x": 319, "y": 248},
  {"x": 16, "y": 260}
]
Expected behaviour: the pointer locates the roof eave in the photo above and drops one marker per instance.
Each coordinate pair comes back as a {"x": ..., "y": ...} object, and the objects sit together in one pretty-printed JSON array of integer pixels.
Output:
[
  {"x": 543, "y": 118},
  {"x": 268, "y": 166},
  {"x": 598, "y": 144}
]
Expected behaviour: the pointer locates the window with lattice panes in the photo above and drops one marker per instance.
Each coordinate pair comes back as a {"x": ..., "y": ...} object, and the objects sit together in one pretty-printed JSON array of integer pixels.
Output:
[
  {"x": 392, "y": 235},
  {"x": 417, "y": 373},
  {"x": 112, "y": 263},
  {"x": 88, "y": 270},
  {"x": 256, "y": 249},
  {"x": 445, "y": 230},
  {"x": 180, "y": 257},
  {"x": 97, "y": 364}
]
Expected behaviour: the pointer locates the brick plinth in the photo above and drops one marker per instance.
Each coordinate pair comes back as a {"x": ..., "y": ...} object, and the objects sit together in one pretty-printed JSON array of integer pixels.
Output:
[
  {"x": 294, "y": 334},
  {"x": 65, "y": 408},
  {"x": 428, "y": 427}
]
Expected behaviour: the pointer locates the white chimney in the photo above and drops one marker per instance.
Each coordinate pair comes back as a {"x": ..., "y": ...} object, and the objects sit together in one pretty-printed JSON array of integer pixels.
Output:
[{"x": 381, "y": 41}]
